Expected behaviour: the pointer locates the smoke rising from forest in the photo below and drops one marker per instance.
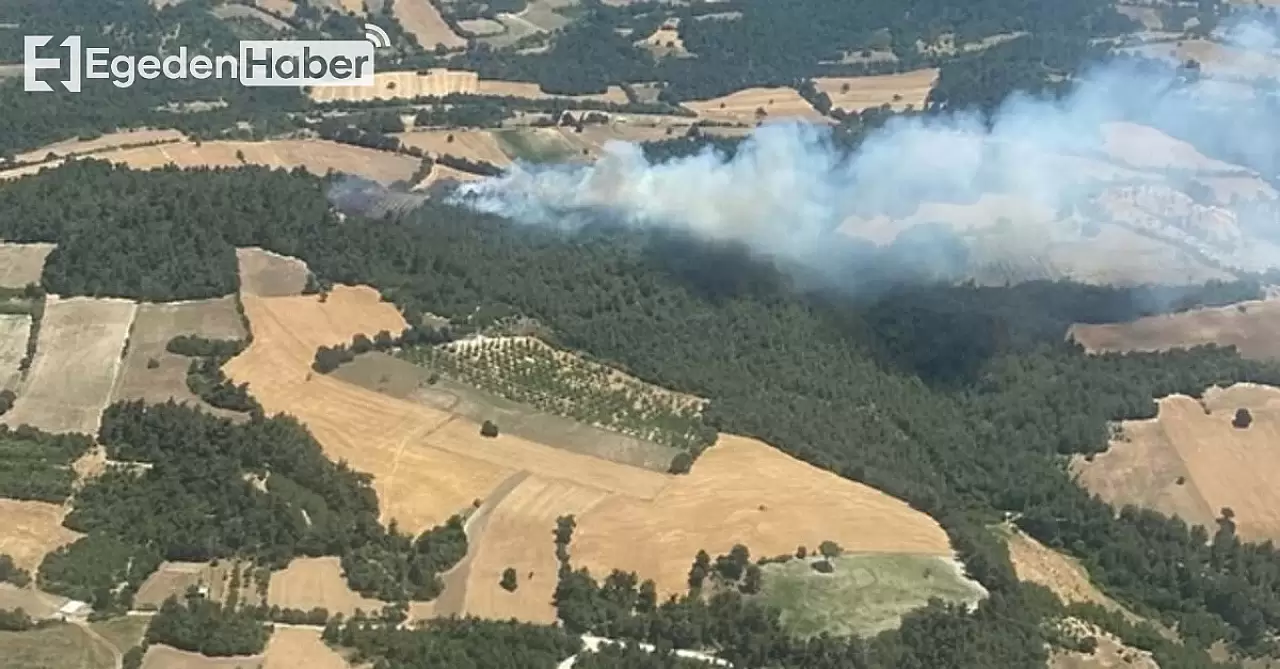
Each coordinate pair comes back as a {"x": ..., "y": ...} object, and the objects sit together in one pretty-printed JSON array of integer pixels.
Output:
[{"x": 788, "y": 185}]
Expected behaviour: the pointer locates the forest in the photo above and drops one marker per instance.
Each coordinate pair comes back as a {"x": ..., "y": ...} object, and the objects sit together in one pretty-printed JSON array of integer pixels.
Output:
[{"x": 37, "y": 466}]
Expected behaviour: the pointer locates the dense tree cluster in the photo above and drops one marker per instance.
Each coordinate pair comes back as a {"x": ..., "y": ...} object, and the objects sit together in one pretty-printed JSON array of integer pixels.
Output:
[
  {"x": 627, "y": 656},
  {"x": 205, "y": 377},
  {"x": 15, "y": 620},
  {"x": 453, "y": 642},
  {"x": 37, "y": 466},
  {"x": 92, "y": 569},
  {"x": 399, "y": 567},
  {"x": 12, "y": 573},
  {"x": 207, "y": 627}
]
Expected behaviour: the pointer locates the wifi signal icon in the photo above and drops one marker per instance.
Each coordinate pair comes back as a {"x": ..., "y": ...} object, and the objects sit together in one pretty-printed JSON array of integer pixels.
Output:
[{"x": 377, "y": 36}]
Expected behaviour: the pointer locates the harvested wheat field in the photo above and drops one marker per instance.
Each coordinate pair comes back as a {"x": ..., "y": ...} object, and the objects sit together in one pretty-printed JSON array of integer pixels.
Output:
[
  {"x": 22, "y": 264},
  {"x": 107, "y": 142},
  {"x": 525, "y": 89},
  {"x": 744, "y": 491},
  {"x": 77, "y": 359},
  {"x": 440, "y": 82},
  {"x": 1221, "y": 466},
  {"x": 427, "y": 464},
  {"x": 854, "y": 94},
  {"x": 31, "y": 530},
  {"x": 15, "y": 329},
  {"x": 311, "y": 582},
  {"x": 423, "y": 21},
  {"x": 317, "y": 156},
  {"x": 1145, "y": 147},
  {"x": 153, "y": 327},
  {"x": 469, "y": 144},
  {"x": 291, "y": 648},
  {"x": 1249, "y": 326},
  {"x": 160, "y": 656},
  {"x": 745, "y": 106},
  {"x": 517, "y": 534},
  {"x": 268, "y": 274}
]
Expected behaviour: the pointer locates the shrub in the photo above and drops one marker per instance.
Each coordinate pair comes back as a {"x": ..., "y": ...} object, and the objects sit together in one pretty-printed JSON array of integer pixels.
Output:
[
  {"x": 681, "y": 463},
  {"x": 489, "y": 429},
  {"x": 1243, "y": 419},
  {"x": 509, "y": 582}
]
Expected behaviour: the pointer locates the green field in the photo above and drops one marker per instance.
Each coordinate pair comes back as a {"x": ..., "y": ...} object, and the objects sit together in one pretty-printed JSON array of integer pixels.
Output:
[
  {"x": 865, "y": 595},
  {"x": 123, "y": 633},
  {"x": 528, "y": 145},
  {"x": 62, "y": 646}
]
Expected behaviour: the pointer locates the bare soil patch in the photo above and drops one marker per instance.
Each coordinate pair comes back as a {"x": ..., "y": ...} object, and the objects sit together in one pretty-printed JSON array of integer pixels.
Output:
[
  {"x": 423, "y": 21},
  {"x": 22, "y": 264},
  {"x": 77, "y": 359},
  {"x": 1221, "y": 466},
  {"x": 1249, "y": 326},
  {"x": 160, "y": 656},
  {"x": 107, "y": 142},
  {"x": 15, "y": 329},
  {"x": 291, "y": 648},
  {"x": 899, "y": 91},
  {"x": 31, "y": 530},
  {"x": 153, "y": 327},
  {"x": 268, "y": 274},
  {"x": 726, "y": 499},
  {"x": 745, "y": 106},
  {"x": 311, "y": 582},
  {"x": 469, "y": 144}
]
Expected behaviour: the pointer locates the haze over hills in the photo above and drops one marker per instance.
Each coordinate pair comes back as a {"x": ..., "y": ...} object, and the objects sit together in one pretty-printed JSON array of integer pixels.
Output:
[{"x": 598, "y": 329}]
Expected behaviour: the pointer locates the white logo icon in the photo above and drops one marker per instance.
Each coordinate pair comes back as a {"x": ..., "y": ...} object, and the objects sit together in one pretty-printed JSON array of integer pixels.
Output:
[{"x": 376, "y": 36}]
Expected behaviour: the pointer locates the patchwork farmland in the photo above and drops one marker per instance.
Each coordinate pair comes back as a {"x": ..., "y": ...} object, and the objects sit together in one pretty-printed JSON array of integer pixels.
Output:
[{"x": 77, "y": 359}]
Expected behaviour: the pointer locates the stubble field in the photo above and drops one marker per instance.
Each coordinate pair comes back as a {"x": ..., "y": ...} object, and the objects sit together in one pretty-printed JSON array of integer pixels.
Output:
[
  {"x": 423, "y": 21},
  {"x": 1192, "y": 462},
  {"x": 160, "y": 656},
  {"x": 268, "y": 274},
  {"x": 292, "y": 648},
  {"x": 15, "y": 329},
  {"x": 22, "y": 264},
  {"x": 64, "y": 646},
  {"x": 1249, "y": 326},
  {"x": 855, "y": 94},
  {"x": 310, "y": 582},
  {"x": 153, "y": 327},
  {"x": 31, "y": 530},
  {"x": 743, "y": 106},
  {"x": 77, "y": 359},
  {"x": 469, "y": 144}
]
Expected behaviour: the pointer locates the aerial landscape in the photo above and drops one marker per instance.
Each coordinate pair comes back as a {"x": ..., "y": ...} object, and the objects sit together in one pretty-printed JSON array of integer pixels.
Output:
[{"x": 635, "y": 334}]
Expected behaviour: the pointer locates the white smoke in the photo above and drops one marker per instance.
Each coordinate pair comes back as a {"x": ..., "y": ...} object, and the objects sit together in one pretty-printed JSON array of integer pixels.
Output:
[{"x": 787, "y": 187}]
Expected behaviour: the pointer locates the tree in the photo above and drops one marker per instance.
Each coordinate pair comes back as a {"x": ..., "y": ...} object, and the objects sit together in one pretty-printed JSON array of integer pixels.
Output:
[
  {"x": 7, "y": 398},
  {"x": 751, "y": 583},
  {"x": 698, "y": 572},
  {"x": 489, "y": 429},
  {"x": 509, "y": 582},
  {"x": 681, "y": 463},
  {"x": 1242, "y": 419},
  {"x": 830, "y": 549}
]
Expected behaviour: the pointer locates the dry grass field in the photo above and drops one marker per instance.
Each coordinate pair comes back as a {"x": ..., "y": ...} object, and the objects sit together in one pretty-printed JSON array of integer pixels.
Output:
[
  {"x": 15, "y": 329},
  {"x": 423, "y": 21},
  {"x": 311, "y": 582},
  {"x": 160, "y": 656},
  {"x": 153, "y": 327},
  {"x": 63, "y": 646},
  {"x": 1249, "y": 326},
  {"x": 1145, "y": 147},
  {"x": 482, "y": 27},
  {"x": 1220, "y": 466},
  {"x": 37, "y": 604},
  {"x": 172, "y": 579},
  {"x": 441, "y": 82},
  {"x": 665, "y": 41},
  {"x": 1216, "y": 60},
  {"x": 1036, "y": 563},
  {"x": 293, "y": 648},
  {"x": 469, "y": 144},
  {"x": 282, "y": 7},
  {"x": 428, "y": 464},
  {"x": 727, "y": 498},
  {"x": 315, "y": 155},
  {"x": 31, "y": 530},
  {"x": 268, "y": 274},
  {"x": 855, "y": 94},
  {"x": 77, "y": 359},
  {"x": 744, "y": 106},
  {"x": 107, "y": 142},
  {"x": 22, "y": 264}
]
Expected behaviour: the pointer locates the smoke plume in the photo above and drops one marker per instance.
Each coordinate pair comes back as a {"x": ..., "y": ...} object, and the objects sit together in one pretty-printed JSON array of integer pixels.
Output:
[{"x": 788, "y": 187}]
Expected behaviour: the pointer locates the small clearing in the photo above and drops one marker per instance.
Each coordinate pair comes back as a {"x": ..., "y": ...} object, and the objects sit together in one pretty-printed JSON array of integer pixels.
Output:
[
  {"x": 469, "y": 144},
  {"x": 665, "y": 41},
  {"x": 152, "y": 329},
  {"x": 1249, "y": 326},
  {"x": 1111, "y": 653},
  {"x": 311, "y": 582},
  {"x": 267, "y": 274},
  {"x": 22, "y": 264},
  {"x": 724, "y": 500},
  {"x": 160, "y": 656},
  {"x": 1189, "y": 460},
  {"x": 291, "y": 648},
  {"x": 77, "y": 359},
  {"x": 482, "y": 27},
  {"x": 62, "y": 646},
  {"x": 899, "y": 91},
  {"x": 423, "y": 21},
  {"x": 756, "y": 104},
  {"x": 15, "y": 329},
  {"x": 107, "y": 142},
  {"x": 32, "y": 530},
  {"x": 1036, "y": 563},
  {"x": 864, "y": 595}
]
